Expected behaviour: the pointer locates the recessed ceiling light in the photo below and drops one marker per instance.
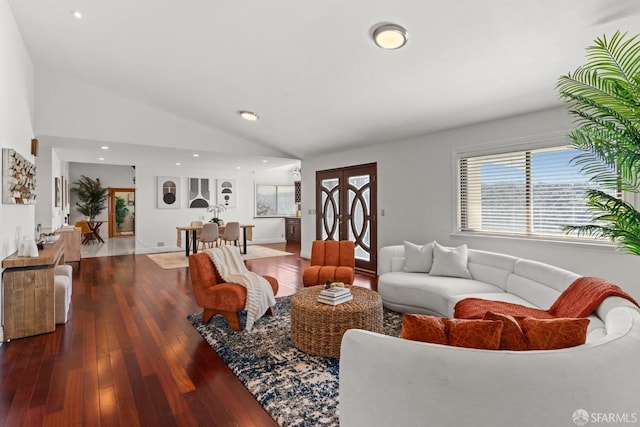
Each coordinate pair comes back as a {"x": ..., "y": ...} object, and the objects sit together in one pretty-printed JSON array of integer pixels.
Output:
[
  {"x": 104, "y": 147},
  {"x": 390, "y": 36},
  {"x": 101, "y": 158},
  {"x": 238, "y": 167},
  {"x": 178, "y": 164},
  {"x": 76, "y": 14},
  {"x": 248, "y": 115},
  {"x": 265, "y": 161},
  {"x": 196, "y": 155}
]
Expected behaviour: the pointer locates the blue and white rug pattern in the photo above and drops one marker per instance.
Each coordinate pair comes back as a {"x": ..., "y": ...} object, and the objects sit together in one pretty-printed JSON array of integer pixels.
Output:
[{"x": 295, "y": 388}]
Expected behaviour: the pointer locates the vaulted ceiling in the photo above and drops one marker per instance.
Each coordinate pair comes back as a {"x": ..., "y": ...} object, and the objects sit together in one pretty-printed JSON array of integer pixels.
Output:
[{"x": 310, "y": 69}]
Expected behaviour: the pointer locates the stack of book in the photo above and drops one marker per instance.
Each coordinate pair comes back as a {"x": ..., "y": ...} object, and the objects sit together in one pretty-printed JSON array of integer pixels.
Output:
[{"x": 335, "y": 296}]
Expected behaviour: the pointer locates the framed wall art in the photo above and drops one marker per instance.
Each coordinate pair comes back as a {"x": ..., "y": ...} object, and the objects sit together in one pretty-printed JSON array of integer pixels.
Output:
[
  {"x": 199, "y": 193},
  {"x": 56, "y": 189},
  {"x": 18, "y": 179},
  {"x": 226, "y": 192},
  {"x": 169, "y": 192}
]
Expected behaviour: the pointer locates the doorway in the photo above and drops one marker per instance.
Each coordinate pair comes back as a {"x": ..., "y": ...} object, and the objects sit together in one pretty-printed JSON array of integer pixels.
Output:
[
  {"x": 346, "y": 206},
  {"x": 122, "y": 211}
]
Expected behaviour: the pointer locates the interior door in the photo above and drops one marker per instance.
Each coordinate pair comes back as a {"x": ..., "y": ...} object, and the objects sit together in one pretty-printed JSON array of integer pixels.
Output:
[
  {"x": 122, "y": 208},
  {"x": 346, "y": 210}
]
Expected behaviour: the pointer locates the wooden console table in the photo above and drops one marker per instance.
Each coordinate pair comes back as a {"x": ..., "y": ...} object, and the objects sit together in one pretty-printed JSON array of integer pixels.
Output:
[
  {"x": 29, "y": 293},
  {"x": 71, "y": 238}
]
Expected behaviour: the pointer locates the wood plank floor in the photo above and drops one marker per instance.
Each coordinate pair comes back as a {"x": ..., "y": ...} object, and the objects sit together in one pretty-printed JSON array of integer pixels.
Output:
[{"x": 128, "y": 356}]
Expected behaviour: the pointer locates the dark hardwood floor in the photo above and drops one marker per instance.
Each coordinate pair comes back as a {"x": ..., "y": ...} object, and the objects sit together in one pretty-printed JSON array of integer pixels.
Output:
[{"x": 129, "y": 357}]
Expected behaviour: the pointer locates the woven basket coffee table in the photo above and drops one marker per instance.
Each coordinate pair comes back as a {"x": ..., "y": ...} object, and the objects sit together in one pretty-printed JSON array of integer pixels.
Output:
[{"x": 317, "y": 328}]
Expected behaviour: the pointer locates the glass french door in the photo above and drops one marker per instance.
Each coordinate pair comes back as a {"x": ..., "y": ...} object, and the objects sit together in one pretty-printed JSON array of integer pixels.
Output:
[{"x": 346, "y": 210}]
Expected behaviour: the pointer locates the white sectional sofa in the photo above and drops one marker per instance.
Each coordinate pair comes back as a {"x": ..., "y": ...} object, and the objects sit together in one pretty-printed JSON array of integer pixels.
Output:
[{"x": 387, "y": 381}]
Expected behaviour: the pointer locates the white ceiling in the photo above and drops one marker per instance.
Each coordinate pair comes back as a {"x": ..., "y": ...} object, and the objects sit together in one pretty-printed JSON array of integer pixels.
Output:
[{"x": 311, "y": 70}]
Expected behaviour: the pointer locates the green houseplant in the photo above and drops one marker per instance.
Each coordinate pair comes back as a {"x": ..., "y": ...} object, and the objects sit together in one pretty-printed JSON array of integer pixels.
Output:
[
  {"x": 121, "y": 210},
  {"x": 604, "y": 96},
  {"x": 92, "y": 196}
]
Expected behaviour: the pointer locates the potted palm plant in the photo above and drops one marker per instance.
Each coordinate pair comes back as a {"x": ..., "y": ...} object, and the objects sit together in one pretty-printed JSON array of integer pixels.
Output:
[
  {"x": 604, "y": 96},
  {"x": 92, "y": 196}
]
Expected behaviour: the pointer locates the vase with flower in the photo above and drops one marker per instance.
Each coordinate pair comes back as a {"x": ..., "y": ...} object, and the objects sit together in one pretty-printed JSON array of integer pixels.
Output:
[{"x": 217, "y": 209}]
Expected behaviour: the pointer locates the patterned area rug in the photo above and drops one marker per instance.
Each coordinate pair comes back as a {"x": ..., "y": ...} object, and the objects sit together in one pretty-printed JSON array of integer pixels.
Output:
[
  {"x": 295, "y": 388},
  {"x": 179, "y": 260}
]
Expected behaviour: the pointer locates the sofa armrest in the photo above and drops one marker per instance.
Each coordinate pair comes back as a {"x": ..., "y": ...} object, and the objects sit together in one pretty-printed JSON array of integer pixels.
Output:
[{"x": 390, "y": 381}]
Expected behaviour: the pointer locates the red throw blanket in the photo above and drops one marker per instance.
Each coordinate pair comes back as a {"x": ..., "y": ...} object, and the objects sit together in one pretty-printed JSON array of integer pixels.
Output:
[{"x": 580, "y": 299}]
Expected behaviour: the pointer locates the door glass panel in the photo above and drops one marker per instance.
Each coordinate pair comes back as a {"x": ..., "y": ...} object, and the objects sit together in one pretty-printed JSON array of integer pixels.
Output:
[
  {"x": 359, "y": 215},
  {"x": 331, "y": 209}
]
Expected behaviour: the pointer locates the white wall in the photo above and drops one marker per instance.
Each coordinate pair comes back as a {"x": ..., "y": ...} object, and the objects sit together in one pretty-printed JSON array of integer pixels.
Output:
[
  {"x": 16, "y": 125},
  {"x": 417, "y": 190},
  {"x": 156, "y": 228},
  {"x": 49, "y": 166}
]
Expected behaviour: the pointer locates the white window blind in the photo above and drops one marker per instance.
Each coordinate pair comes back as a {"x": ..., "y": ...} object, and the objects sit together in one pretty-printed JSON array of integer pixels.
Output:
[{"x": 532, "y": 192}]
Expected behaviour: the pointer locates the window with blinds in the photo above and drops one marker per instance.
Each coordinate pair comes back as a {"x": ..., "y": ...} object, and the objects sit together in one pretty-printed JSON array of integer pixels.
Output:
[{"x": 533, "y": 192}]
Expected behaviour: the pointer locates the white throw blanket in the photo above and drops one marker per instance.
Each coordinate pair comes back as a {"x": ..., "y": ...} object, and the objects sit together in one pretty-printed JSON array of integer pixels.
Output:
[{"x": 232, "y": 269}]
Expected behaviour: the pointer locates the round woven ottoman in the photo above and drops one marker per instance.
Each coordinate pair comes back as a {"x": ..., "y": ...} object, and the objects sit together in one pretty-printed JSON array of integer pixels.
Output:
[{"x": 317, "y": 328}]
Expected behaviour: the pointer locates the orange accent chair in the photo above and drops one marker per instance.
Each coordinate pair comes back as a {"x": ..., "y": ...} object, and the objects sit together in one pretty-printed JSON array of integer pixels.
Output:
[
  {"x": 216, "y": 296},
  {"x": 330, "y": 259}
]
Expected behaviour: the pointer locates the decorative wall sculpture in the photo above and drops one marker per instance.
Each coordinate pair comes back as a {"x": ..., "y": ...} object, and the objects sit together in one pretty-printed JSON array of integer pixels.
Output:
[
  {"x": 199, "y": 193},
  {"x": 227, "y": 192},
  {"x": 18, "y": 179},
  {"x": 169, "y": 192}
]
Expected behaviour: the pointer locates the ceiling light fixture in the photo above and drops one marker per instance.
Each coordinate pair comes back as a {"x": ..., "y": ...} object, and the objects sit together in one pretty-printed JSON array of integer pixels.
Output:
[
  {"x": 104, "y": 147},
  {"x": 390, "y": 36},
  {"x": 248, "y": 115},
  {"x": 76, "y": 14},
  {"x": 196, "y": 155}
]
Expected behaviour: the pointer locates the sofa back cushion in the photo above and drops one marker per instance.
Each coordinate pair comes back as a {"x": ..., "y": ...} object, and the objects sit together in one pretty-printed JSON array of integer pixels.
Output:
[
  {"x": 539, "y": 283},
  {"x": 490, "y": 267}
]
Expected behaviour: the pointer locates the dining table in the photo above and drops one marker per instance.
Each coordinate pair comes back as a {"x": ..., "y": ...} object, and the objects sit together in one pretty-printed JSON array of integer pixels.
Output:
[
  {"x": 94, "y": 226},
  {"x": 191, "y": 241}
]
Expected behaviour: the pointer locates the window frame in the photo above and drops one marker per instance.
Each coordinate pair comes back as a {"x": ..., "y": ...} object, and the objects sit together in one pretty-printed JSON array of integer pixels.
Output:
[
  {"x": 277, "y": 214},
  {"x": 539, "y": 142}
]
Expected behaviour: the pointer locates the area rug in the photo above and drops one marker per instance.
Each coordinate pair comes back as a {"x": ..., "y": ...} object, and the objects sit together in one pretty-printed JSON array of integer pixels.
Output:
[
  {"x": 179, "y": 260},
  {"x": 295, "y": 388}
]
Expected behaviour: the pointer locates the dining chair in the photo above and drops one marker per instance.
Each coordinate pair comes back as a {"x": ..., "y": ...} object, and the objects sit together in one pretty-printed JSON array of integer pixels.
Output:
[
  {"x": 87, "y": 234},
  {"x": 231, "y": 233},
  {"x": 210, "y": 235},
  {"x": 197, "y": 224}
]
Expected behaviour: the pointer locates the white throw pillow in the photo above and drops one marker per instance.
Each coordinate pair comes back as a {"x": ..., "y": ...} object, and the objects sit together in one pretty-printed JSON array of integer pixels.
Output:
[
  {"x": 450, "y": 262},
  {"x": 418, "y": 257}
]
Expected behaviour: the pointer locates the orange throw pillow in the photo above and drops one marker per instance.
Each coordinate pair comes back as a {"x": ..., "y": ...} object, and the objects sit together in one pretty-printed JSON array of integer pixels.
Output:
[
  {"x": 512, "y": 335},
  {"x": 480, "y": 334},
  {"x": 552, "y": 334},
  {"x": 420, "y": 327}
]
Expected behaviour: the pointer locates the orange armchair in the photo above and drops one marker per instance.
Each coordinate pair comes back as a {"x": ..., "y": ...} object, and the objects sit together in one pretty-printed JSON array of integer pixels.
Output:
[
  {"x": 217, "y": 297},
  {"x": 331, "y": 259}
]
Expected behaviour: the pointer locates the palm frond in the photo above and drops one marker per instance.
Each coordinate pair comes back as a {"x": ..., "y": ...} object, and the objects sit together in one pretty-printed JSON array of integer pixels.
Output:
[{"x": 613, "y": 219}]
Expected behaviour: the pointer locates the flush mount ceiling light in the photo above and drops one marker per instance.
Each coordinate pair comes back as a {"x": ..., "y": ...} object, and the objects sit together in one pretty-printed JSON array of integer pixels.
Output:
[
  {"x": 248, "y": 115},
  {"x": 76, "y": 14},
  {"x": 390, "y": 36}
]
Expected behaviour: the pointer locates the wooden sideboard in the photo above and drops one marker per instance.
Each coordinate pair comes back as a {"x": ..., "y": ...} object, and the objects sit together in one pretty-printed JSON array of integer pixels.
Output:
[
  {"x": 28, "y": 292},
  {"x": 292, "y": 229}
]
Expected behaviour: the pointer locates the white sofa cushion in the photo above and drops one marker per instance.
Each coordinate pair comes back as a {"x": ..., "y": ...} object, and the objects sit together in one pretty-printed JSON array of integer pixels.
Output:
[
  {"x": 539, "y": 283},
  {"x": 413, "y": 292},
  {"x": 418, "y": 258},
  {"x": 491, "y": 267},
  {"x": 451, "y": 262}
]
